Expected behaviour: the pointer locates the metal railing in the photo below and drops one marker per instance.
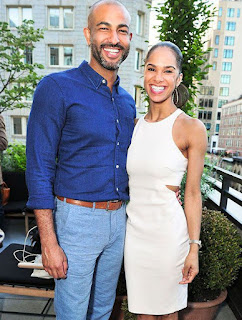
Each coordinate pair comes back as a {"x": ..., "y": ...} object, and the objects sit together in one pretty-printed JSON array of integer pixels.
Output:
[{"x": 227, "y": 178}]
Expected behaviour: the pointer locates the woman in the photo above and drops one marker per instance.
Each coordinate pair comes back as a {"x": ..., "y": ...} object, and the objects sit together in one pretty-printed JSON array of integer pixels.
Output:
[{"x": 162, "y": 242}]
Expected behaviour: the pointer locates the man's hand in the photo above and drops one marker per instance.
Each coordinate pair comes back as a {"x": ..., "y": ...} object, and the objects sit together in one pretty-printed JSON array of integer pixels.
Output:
[{"x": 54, "y": 261}]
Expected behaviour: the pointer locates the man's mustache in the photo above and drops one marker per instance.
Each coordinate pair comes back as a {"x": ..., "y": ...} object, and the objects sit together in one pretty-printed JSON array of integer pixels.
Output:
[{"x": 110, "y": 45}]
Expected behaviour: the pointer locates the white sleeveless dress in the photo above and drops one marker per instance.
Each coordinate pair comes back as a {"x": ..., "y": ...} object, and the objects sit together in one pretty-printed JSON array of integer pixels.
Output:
[{"x": 157, "y": 240}]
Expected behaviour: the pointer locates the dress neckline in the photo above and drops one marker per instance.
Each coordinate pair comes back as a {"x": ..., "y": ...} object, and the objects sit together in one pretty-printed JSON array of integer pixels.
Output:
[{"x": 165, "y": 119}]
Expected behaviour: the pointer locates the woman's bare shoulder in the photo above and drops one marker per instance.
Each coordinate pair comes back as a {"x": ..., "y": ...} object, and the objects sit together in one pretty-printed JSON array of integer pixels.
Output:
[{"x": 191, "y": 124}]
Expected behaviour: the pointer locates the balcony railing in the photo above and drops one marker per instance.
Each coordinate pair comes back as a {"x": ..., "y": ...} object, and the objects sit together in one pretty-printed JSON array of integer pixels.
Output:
[{"x": 234, "y": 209}]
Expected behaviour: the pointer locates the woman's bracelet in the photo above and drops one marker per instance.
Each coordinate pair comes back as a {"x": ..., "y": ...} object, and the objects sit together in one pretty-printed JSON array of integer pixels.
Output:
[{"x": 199, "y": 242}]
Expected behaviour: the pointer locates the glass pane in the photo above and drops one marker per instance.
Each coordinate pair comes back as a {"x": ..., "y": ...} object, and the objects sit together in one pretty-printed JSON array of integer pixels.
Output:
[
  {"x": 27, "y": 13},
  {"x": 54, "y": 56},
  {"x": 68, "y": 18},
  {"x": 54, "y": 17},
  {"x": 13, "y": 17},
  {"x": 17, "y": 126},
  {"x": 28, "y": 57},
  {"x": 137, "y": 60},
  {"x": 68, "y": 56},
  {"x": 138, "y": 23}
]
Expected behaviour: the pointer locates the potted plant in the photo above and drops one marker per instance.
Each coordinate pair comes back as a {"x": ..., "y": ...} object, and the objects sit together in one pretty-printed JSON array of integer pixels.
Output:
[
  {"x": 13, "y": 164},
  {"x": 219, "y": 260}
]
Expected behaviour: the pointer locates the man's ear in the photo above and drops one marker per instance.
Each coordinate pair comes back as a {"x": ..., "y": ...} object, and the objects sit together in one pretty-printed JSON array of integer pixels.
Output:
[
  {"x": 130, "y": 36},
  {"x": 87, "y": 34}
]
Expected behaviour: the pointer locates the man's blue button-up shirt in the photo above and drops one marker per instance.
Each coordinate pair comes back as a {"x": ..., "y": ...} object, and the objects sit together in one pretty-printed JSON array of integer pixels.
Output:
[{"x": 77, "y": 139}]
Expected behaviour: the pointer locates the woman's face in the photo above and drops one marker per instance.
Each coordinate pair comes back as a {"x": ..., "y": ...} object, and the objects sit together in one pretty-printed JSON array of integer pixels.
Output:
[{"x": 161, "y": 75}]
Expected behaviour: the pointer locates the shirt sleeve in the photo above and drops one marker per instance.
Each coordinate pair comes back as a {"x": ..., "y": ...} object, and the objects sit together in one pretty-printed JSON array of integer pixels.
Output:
[
  {"x": 3, "y": 135},
  {"x": 46, "y": 120}
]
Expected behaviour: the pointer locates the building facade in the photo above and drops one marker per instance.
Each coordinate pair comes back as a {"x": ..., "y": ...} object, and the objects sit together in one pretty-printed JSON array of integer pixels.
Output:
[
  {"x": 64, "y": 45},
  {"x": 222, "y": 84},
  {"x": 230, "y": 134}
]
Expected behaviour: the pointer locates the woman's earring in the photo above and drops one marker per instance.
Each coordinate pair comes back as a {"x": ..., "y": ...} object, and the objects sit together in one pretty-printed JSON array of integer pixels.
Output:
[{"x": 176, "y": 96}]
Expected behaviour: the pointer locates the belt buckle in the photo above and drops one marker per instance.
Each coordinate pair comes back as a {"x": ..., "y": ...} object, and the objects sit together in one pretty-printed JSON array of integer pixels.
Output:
[{"x": 108, "y": 203}]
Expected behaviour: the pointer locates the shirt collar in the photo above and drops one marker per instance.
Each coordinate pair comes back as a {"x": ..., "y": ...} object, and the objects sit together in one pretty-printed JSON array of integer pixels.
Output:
[{"x": 95, "y": 78}]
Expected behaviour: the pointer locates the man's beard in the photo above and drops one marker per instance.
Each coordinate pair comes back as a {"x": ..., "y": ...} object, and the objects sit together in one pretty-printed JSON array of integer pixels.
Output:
[{"x": 97, "y": 54}]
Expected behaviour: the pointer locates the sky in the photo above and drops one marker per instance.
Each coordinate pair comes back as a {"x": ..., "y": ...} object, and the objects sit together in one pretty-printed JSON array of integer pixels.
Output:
[{"x": 153, "y": 34}]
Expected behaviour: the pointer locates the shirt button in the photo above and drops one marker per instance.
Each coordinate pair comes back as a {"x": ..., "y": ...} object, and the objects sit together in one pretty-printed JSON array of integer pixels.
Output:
[
  {"x": 103, "y": 81},
  {"x": 117, "y": 166},
  {"x": 118, "y": 143},
  {"x": 117, "y": 189},
  {"x": 117, "y": 121}
]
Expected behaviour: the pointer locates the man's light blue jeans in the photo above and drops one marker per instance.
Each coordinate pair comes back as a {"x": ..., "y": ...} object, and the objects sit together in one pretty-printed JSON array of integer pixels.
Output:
[{"x": 93, "y": 241}]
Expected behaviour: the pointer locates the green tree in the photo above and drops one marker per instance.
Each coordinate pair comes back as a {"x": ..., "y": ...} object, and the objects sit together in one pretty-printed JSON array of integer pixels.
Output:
[
  {"x": 185, "y": 23},
  {"x": 17, "y": 77}
]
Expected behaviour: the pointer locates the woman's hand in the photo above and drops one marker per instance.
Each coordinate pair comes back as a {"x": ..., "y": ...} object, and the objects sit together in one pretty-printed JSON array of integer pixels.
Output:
[{"x": 191, "y": 268}]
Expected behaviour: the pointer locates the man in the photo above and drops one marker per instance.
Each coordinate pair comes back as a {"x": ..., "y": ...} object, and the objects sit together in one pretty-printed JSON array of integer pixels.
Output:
[{"x": 79, "y": 131}]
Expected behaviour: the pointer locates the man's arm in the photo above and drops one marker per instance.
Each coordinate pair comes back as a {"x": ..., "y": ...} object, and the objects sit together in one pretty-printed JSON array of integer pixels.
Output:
[
  {"x": 53, "y": 258},
  {"x": 45, "y": 125},
  {"x": 3, "y": 135}
]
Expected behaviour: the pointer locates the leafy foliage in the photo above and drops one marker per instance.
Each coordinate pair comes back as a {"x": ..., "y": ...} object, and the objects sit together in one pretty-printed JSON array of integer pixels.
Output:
[
  {"x": 220, "y": 257},
  {"x": 185, "y": 24},
  {"x": 14, "y": 158},
  {"x": 128, "y": 315},
  {"x": 17, "y": 78}
]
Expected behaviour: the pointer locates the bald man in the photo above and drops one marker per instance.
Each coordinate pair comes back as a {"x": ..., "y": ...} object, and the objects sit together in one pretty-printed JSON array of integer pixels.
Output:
[{"x": 79, "y": 130}]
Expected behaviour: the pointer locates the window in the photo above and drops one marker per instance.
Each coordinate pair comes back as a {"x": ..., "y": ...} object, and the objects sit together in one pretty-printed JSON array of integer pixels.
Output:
[
  {"x": 209, "y": 115},
  {"x": 218, "y": 115},
  {"x": 217, "y": 39},
  {"x": 215, "y": 54},
  {"x": 140, "y": 23},
  {"x": 225, "y": 78},
  {"x": 28, "y": 56},
  {"x": 208, "y": 126},
  {"x": 217, "y": 127},
  {"x": 227, "y": 66},
  {"x": 219, "y": 25},
  {"x": 138, "y": 59},
  {"x": 214, "y": 65},
  {"x": 206, "y": 103},
  {"x": 16, "y": 15},
  {"x": 230, "y": 26},
  {"x": 60, "y": 18},
  {"x": 230, "y": 12},
  {"x": 205, "y": 115},
  {"x": 238, "y": 13},
  {"x": 207, "y": 91},
  {"x": 228, "y": 53},
  {"x": 137, "y": 96},
  {"x": 19, "y": 125},
  {"x": 229, "y": 41},
  {"x": 61, "y": 56},
  {"x": 220, "y": 11},
  {"x": 201, "y": 102},
  {"x": 224, "y": 91},
  {"x": 200, "y": 115}
]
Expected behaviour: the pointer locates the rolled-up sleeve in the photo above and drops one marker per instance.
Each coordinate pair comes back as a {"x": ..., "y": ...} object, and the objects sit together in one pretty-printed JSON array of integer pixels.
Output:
[
  {"x": 3, "y": 135},
  {"x": 46, "y": 120}
]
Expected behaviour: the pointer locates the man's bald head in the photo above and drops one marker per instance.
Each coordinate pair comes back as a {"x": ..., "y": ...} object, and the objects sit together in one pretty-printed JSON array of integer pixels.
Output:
[{"x": 104, "y": 2}]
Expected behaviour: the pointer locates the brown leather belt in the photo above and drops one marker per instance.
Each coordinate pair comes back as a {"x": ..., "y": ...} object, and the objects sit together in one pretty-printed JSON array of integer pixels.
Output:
[{"x": 107, "y": 205}]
